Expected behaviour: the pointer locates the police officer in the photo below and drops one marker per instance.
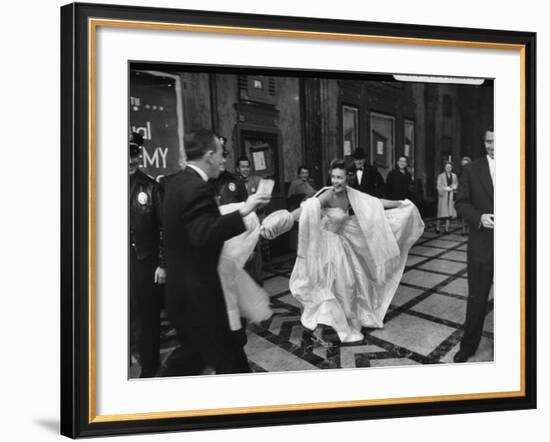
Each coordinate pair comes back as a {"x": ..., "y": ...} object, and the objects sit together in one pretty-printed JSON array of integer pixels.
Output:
[
  {"x": 147, "y": 269},
  {"x": 228, "y": 187}
]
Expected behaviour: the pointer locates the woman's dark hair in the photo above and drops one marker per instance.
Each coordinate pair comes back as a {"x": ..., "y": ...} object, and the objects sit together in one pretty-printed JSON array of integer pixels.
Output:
[
  {"x": 447, "y": 162},
  {"x": 406, "y": 168},
  {"x": 338, "y": 163}
]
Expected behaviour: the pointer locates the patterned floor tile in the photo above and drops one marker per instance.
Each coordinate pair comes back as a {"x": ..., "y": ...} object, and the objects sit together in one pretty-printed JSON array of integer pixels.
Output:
[
  {"x": 279, "y": 320},
  {"x": 428, "y": 234},
  {"x": 423, "y": 279},
  {"x": 441, "y": 243},
  {"x": 413, "y": 260},
  {"x": 443, "y": 307},
  {"x": 291, "y": 300},
  {"x": 426, "y": 251},
  {"x": 457, "y": 237},
  {"x": 274, "y": 358},
  {"x": 404, "y": 294},
  {"x": 457, "y": 287},
  {"x": 439, "y": 265},
  {"x": 348, "y": 354},
  {"x": 432, "y": 334},
  {"x": 392, "y": 362},
  {"x": 457, "y": 255}
]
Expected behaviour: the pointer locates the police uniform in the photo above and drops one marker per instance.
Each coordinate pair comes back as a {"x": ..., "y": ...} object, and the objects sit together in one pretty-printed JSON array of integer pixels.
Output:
[
  {"x": 146, "y": 254},
  {"x": 251, "y": 183},
  {"x": 229, "y": 188}
]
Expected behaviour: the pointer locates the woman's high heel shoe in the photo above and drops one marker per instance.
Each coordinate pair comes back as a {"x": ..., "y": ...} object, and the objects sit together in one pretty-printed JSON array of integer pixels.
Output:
[{"x": 317, "y": 336}]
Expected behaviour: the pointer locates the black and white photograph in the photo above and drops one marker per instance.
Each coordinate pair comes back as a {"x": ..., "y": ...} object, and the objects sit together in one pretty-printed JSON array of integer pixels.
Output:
[{"x": 298, "y": 220}]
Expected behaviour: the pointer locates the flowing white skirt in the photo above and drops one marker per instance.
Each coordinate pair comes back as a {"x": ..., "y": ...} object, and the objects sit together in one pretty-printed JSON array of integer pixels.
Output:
[{"x": 337, "y": 283}]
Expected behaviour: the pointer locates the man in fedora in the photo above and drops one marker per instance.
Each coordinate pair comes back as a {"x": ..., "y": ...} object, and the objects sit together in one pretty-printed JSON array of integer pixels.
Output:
[{"x": 367, "y": 177}]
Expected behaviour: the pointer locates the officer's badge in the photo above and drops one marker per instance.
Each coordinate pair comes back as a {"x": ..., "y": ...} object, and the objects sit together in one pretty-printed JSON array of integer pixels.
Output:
[
  {"x": 232, "y": 187},
  {"x": 142, "y": 198}
]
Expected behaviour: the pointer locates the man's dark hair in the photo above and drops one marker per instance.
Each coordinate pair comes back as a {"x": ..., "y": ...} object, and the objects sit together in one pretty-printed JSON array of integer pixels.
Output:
[
  {"x": 198, "y": 142},
  {"x": 242, "y": 158},
  {"x": 303, "y": 166}
]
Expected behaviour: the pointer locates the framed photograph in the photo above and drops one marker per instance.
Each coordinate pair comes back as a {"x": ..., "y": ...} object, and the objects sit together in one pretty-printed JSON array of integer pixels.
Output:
[
  {"x": 180, "y": 278},
  {"x": 382, "y": 129},
  {"x": 350, "y": 129}
]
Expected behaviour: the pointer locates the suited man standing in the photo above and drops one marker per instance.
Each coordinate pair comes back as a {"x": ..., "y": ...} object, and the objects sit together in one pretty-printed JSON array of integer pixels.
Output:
[
  {"x": 194, "y": 236},
  {"x": 474, "y": 204},
  {"x": 367, "y": 177}
]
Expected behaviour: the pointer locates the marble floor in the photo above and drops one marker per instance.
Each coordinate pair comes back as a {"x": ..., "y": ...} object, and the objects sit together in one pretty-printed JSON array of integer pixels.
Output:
[{"x": 423, "y": 324}]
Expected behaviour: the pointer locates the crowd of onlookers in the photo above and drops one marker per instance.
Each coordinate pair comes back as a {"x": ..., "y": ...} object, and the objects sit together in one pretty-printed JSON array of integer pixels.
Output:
[{"x": 148, "y": 220}]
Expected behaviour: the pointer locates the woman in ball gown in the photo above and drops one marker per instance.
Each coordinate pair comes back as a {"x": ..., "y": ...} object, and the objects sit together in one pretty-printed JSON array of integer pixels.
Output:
[{"x": 352, "y": 250}]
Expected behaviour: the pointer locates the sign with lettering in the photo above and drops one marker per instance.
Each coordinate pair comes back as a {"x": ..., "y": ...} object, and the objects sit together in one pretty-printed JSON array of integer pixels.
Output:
[{"x": 152, "y": 113}]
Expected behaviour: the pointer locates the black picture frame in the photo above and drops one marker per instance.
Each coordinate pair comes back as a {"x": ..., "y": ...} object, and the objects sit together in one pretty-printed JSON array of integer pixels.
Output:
[{"x": 77, "y": 251}]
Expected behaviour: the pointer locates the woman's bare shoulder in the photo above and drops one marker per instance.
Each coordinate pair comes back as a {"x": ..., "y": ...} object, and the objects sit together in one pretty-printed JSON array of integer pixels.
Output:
[{"x": 324, "y": 196}]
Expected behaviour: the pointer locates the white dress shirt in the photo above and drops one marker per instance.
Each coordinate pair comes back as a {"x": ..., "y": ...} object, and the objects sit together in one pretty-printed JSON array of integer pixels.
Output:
[
  {"x": 201, "y": 172},
  {"x": 491, "y": 168},
  {"x": 359, "y": 176}
]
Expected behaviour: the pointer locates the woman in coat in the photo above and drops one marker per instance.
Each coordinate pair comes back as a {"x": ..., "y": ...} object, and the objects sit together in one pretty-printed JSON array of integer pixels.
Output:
[{"x": 447, "y": 183}]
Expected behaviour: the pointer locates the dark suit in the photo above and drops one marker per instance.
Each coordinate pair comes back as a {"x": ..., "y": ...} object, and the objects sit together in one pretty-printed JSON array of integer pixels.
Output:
[
  {"x": 399, "y": 185},
  {"x": 475, "y": 198},
  {"x": 194, "y": 236},
  {"x": 371, "y": 182}
]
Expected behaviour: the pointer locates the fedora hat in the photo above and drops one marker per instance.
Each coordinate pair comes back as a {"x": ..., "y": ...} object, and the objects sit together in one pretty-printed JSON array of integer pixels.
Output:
[{"x": 359, "y": 154}]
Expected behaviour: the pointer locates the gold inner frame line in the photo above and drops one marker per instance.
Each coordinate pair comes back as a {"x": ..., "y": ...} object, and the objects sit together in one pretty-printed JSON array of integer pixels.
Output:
[{"x": 93, "y": 24}]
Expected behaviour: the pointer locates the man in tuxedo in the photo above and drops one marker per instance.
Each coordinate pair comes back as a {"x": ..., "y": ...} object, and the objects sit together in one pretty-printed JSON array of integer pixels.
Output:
[
  {"x": 367, "y": 178},
  {"x": 474, "y": 204},
  {"x": 194, "y": 233}
]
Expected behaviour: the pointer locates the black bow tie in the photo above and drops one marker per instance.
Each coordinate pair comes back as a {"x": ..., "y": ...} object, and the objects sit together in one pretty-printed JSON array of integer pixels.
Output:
[{"x": 360, "y": 168}]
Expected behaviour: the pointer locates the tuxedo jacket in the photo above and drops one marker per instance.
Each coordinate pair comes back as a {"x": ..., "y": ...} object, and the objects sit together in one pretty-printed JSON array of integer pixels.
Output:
[
  {"x": 371, "y": 183},
  {"x": 194, "y": 233},
  {"x": 475, "y": 197}
]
